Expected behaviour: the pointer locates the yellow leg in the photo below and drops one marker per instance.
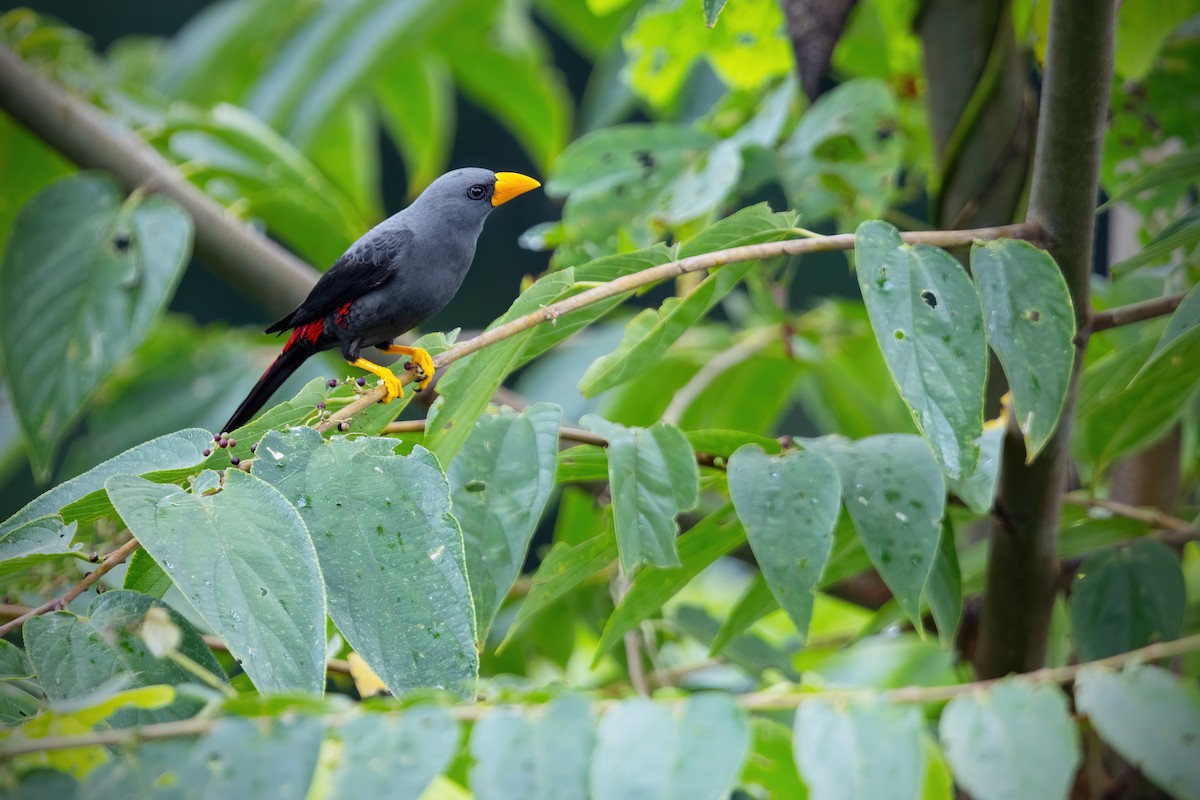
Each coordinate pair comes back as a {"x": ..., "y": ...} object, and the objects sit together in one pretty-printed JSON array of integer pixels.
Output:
[
  {"x": 421, "y": 361},
  {"x": 390, "y": 381}
]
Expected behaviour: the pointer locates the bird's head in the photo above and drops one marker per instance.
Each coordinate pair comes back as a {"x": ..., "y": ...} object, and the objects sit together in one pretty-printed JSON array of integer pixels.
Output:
[{"x": 469, "y": 194}]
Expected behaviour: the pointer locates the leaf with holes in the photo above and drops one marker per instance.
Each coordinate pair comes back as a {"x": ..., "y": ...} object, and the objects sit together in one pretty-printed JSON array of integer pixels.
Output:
[
  {"x": 896, "y": 497},
  {"x": 1015, "y": 741},
  {"x": 653, "y": 475},
  {"x": 391, "y": 553},
  {"x": 242, "y": 557},
  {"x": 789, "y": 505},
  {"x": 114, "y": 264},
  {"x": 1151, "y": 718},
  {"x": 929, "y": 325},
  {"x": 1031, "y": 326},
  {"x": 499, "y": 483}
]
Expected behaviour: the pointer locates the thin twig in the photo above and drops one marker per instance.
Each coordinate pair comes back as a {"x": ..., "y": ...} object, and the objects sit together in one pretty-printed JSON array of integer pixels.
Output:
[
  {"x": 1151, "y": 516},
  {"x": 1136, "y": 312},
  {"x": 756, "y": 700},
  {"x": 673, "y": 269},
  {"x": 62, "y": 601}
]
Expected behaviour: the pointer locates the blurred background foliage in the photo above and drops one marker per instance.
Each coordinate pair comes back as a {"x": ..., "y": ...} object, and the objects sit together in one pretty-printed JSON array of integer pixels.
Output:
[{"x": 649, "y": 121}]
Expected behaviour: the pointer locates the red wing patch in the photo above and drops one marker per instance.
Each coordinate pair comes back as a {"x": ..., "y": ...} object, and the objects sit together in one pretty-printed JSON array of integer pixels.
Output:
[
  {"x": 342, "y": 314},
  {"x": 309, "y": 332}
]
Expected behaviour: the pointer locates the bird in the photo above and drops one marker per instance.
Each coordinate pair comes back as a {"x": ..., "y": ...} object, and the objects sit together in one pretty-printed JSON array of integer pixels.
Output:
[{"x": 396, "y": 276}]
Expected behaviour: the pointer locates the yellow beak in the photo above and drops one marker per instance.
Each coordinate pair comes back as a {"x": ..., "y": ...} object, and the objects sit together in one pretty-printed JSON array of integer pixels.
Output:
[{"x": 511, "y": 184}]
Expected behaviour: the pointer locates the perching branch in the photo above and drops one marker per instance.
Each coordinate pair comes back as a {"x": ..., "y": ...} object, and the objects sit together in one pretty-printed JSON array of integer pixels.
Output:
[
  {"x": 673, "y": 269},
  {"x": 81, "y": 132},
  {"x": 62, "y": 601},
  {"x": 908, "y": 695},
  {"x": 1136, "y": 312},
  {"x": 1022, "y": 572}
]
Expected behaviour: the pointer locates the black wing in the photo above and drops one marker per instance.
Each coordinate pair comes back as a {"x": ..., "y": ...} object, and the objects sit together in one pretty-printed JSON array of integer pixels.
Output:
[{"x": 365, "y": 266}]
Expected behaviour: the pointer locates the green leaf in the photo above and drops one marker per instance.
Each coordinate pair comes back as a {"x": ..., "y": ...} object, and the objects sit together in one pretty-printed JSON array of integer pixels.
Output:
[
  {"x": 499, "y": 484},
  {"x": 771, "y": 766},
  {"x": 1150, "y": 717},
  {"x": 978, "y": 490},
  {"x": 392, "y": 755},
  {"x": 712, "y": 10},
  {"x": 1142, "y": 33},
  {"x": 37, "y": 542},
  {"x": 653, "y": 477},
  {"x": 715, "y": 536},
  {"x": 1183, "y": 166},
  {"x": 943, "y": 590},
  {"x": 859, "y": 751},
  {"x": 1184, "y": 231},
  {"x": 273, "y": 757},
  {"x": 563, "y": 568},
  {"x": 789, "y": 505},
  {"x": 175, "y": 451},
  {"x": 540, "y": 752},
  {"x": 114, "y": 264},
  {"x": 468, "y": 386},
  {"x": 835, "y": 163},
  {"x": 345, "y": 147},
  {"x": 755, "y": 603},
  {"x": 927, "y": 320},
  {"x": 896, "y": 497},
  {"x": 1031, "y": 327},
  {"x": 145, "y": 576},
  {"x": 416, "y": 104},
  {"x": 16, "y": 705},
  {"x": 651, "y": 332},
  {"x": 1126, "y": 598},
  {"x": 242, "y": 557},
  {"x": 13, "y": 663},
  {"x": 749, "y": 651},
  {"x": 722, "y": 443},
  {"x": 29, "y": 164},
  {"x": 584, "y": 462},
  {"x": 1185, "y": 319},
  {"x": 1015, "y": 741},
  {"x": 390, "y": 552},
  {"x": 691, "y": 750},
  {"x": 75, "y": 656}
]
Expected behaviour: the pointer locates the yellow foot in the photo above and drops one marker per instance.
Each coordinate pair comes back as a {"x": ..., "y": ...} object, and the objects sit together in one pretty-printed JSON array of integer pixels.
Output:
[
  {"x": 422, "y": 362},
  {"x": 390, "y": 381}
]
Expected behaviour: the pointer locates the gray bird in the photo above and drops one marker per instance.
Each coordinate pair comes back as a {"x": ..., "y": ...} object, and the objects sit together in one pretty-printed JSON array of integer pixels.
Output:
[{"x": 399, "y": 274}]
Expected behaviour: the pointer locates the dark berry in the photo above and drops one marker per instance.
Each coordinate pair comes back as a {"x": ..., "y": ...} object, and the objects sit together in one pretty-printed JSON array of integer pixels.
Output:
[
  {"x": 408, "y": 365},
  {"x": 234, "y": 460},
  {"x": 254, "y": 448},
  {"x": 332, "y": 382},
  {"x": 361, "y": 381},
  {"x": 206, "y": 452},
  {"x": 321, "y": 404},
  {"x": 233, "y": 442}
]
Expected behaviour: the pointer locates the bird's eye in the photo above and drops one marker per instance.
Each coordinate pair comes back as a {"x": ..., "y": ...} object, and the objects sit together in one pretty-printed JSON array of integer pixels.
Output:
[{"x": 476, "y": 192}]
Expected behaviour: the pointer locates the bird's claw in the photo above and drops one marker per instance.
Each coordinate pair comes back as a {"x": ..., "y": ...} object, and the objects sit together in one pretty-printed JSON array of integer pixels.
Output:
[
  {"x": 392, "y": 384},
  {"x": 422, "y": 367}
]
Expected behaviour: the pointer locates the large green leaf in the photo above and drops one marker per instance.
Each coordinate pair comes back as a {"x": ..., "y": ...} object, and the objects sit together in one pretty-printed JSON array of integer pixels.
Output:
[
  {"x": 392, "y": 755},
  {"x": 243, "y": 558},
  {"x": 1016, "y": 741},
  {"x": 943, "y": 589},
  {"x": 28, "y": 165},
  {"x": 1126, "y": 598},
  {"x": 499, "y": 483},
  {"x": 835, "y": 162},
  {"x": 239, "y": 758},
  {"x": 653, "y": 477},
  {"x": 1151, "y": 718},
  {"x": 563, "y": 568},
  {"x": 416, "y": 104},
  {"x": 927, "y": 320},
  {"x": 345, "y": 148},
  {"x": 693, "y": 750},
  {"x": 789, "y": 505},
  {"x": 390, "y": 552},
  {"x": 1031, "y": 326},
  {"x": 896, "y": 496},
  {"x": 75, "y": 656},
  {"x": 540, "y": 752},
  {"x": 175, "y": 451},
  {"x": 114, "y": 264},
  {"x": 716, "y": 535},
  {"x": 651, "y": 332},
  {"x": 859, "y": 751}
]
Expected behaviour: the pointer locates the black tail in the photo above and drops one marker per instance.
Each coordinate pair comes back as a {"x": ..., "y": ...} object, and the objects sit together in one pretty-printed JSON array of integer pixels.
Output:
[{"x": 294, "y": 354}]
